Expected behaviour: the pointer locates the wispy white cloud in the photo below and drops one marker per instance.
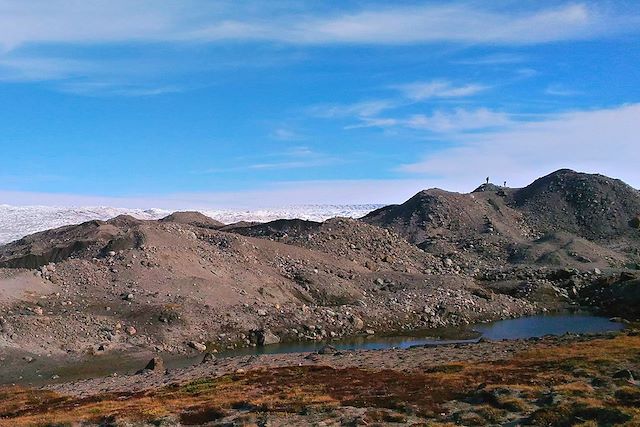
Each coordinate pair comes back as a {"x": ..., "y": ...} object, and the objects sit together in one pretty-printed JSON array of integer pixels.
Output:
[
  {"x": 453, "y": 23},
  {"x": 37, "y": 25},
  {"x": 526, "y": 73},
  {"x": 105, "y": 88},
  {"x": 286, "y": 134},
  {"x": 602, "y": 141},
  {"x": 358, "y": 109},
  {"x": 83, "y": 76},
  {"x": 114, "y": 21},
  {"x": 494, "y": 59},
  {"x": 419, "y": 91},
  {"x": 457, "y": 23},
  {"x": 293, "y": 164},
  {"x": 368, "y": 113},
  {"x": 410, "y": 93},
  {"x": 561, "y": 90},
  {"x": 297, "y": 157},
  {"x": 459, "y": 120},
  {"x": 84, "y": 22},
  {"x": 21, "y": 68}
]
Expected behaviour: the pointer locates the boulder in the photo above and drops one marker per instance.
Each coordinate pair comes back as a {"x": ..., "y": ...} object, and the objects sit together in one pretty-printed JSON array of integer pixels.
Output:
[
  {"x": 156, "y": 365},
  {"x": 264, "y": 337},
  {"x": 357, "y": 322}
]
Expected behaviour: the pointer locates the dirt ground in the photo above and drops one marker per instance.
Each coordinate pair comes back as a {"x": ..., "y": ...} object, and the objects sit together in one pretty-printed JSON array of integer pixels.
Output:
[{"x": 549, "y": 381}]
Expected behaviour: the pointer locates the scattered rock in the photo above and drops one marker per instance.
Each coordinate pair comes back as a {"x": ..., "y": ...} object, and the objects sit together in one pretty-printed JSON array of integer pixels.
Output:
[
  {"x": 156, "y": 365},
  {"x": 624, "y": 374},
  {"x": 197, "y": 346},
  {"x": 208, "y": 357},
  {"x": 327, "y": 349},
  {"x": 264, "y": 337},
  {"x": 357, "y": 323}
]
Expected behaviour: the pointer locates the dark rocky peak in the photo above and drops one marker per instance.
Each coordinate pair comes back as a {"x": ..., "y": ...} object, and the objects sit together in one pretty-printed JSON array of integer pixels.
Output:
[{"x": 196, "y": 219}]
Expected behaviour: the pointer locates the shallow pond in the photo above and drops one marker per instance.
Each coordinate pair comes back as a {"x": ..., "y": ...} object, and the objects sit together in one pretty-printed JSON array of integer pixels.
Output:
[
  {"x": 523, "y": 327},
  {"x": 42, "y": 370}
]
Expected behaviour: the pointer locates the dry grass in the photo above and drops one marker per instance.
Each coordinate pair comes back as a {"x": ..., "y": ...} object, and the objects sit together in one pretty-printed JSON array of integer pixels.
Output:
[{"x": 294, "y": 389}]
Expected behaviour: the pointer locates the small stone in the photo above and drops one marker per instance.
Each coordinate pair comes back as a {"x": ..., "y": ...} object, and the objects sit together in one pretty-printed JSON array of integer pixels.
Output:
[
  {"x": 131, "y": 330},
  {"x": 624, "y": 374},
  {"x": 262, "y": 312},
  {"x": 327, "y": 349},
  {"x": 197, "y": 346},
  {"x": 208, "y": 357}
]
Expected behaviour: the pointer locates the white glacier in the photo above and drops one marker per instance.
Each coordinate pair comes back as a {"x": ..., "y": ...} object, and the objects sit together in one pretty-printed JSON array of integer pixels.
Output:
[{"x": 19, "y": 221}]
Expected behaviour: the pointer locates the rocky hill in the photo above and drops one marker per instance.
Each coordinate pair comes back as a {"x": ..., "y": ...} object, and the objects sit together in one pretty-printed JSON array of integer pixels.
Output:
[
  {"x": 374, "y": 247},
  {"x": 174, "y": 286},
  {"x": 188, "y": 283},
  {"x": 595, "y": 207},
  {"x": 196, "y": 219},
  {"x": 564, "y": 218}
]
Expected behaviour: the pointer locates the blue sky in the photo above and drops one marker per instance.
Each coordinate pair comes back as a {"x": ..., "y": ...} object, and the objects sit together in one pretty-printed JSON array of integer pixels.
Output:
[{"x": 196, "y": 104}]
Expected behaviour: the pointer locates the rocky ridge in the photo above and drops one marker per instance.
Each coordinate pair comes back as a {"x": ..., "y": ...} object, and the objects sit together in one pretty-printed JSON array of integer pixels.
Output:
[{"x": 186, "y": 283}]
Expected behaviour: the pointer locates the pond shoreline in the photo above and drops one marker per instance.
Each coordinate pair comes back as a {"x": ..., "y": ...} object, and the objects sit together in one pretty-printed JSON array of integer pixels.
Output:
[{"x": 23, "y": 369}]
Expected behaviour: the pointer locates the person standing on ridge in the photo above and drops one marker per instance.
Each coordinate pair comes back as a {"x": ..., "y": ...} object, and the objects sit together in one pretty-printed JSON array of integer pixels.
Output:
[{"x": 487, "y": 180}]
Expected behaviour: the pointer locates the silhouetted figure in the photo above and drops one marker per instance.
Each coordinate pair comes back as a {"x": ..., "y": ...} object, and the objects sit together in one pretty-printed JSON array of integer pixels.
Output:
[
  {"x": 487, "y": 180},
  {"x": 505, "y": 184}
]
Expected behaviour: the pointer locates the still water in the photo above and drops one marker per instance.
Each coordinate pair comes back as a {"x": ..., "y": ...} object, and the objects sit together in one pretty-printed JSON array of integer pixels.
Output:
[
  {"x": 42, "y": 370},
  {"x": 523, "y": 327}
]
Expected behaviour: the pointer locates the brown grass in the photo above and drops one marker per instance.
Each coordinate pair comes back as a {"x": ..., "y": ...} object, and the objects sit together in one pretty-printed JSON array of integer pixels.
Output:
[{"x": 294, "y": 389}]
